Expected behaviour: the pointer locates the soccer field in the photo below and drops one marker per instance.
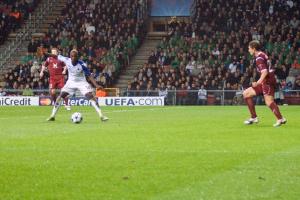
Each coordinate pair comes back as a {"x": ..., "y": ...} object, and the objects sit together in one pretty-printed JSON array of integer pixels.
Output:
[{"x": 149, "y": 153}]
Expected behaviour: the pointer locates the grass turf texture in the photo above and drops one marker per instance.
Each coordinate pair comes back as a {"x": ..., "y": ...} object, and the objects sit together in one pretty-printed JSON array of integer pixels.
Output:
[{"x": 182, "y": 153}]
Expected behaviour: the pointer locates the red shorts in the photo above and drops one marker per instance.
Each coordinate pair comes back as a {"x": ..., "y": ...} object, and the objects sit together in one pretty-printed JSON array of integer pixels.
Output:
[
  {"x": 57, "y": 83},
  {"x": 265, "y": 89}
]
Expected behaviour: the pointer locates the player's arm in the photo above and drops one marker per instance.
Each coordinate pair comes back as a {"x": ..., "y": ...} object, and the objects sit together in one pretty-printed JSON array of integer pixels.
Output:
[
  {"x": 62, "y": 58},
  {"x": 90, "y": 77},
  {"x": 43, "y": 69},
  {"x": 263, "y": 72},
  {"x": 94, "y": 82},
  {"x": 64, "y": 70},
  {"x": 262, "y": 77},
  {"x": 55, "y": 53}
]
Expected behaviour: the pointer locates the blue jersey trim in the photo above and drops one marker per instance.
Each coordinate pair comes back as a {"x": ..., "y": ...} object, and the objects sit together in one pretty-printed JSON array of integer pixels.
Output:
[{"x": 85, "y": 70}]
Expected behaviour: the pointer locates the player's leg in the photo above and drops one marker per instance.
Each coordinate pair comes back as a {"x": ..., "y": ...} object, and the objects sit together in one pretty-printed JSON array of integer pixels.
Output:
[
  {"x": 269, "y": 99},
  {"x": 67, "y": 106},
  {"x": 95, "y": 104},
  {"x": 53, "y": 94},
  {"x": 52, "y": 90},
  {"x": 61, "y": 84},
  {"x": 87, "y": 90},
  {"x": 57, "y": 105},
  {"x": 65, "y": 91},
  {"x": 248, "y": 95}
]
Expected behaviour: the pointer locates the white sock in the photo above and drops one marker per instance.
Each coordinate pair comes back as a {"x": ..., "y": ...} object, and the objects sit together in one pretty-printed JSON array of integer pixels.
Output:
[
  {"x": 56, "y": 107},
  {"x": 95, "y": 105}
]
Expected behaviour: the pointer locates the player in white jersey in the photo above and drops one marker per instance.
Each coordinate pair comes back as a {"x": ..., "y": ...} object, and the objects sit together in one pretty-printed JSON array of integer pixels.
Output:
[{"x": 77, "y": 74}]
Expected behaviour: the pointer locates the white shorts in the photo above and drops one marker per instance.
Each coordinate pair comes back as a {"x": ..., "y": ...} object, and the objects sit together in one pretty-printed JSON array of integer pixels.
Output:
[{"x": 71, "y": 87}]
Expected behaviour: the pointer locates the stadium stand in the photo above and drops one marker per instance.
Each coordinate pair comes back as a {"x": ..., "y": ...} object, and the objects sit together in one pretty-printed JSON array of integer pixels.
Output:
[
  {"x": 212, "y": 51},
  {"x": 107, "y": 34},
  {"x": 13, "y": 13}
]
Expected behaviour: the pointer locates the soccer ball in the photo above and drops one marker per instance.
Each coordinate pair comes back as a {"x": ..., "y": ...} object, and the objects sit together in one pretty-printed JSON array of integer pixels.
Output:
[{"x": 76, "y": 118}]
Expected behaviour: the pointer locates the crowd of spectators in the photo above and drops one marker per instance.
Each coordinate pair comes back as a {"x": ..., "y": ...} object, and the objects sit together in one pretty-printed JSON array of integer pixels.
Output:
[
  {"x": 22, "y": 76},
  {"x": 106, "y": 34},
  {"x": 12, "y": 14},
  {"x": 211, "y": 52},
  {"x": 208, "y": 53}
]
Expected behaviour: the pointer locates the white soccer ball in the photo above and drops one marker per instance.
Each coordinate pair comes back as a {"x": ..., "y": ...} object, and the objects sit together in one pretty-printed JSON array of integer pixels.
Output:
[{"x": 76, "y": 118}]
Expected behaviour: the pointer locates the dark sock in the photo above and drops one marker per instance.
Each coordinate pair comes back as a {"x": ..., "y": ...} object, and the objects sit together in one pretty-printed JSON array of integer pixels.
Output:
[
  {"x": 53, "y": 97},
  {"x": 273, "y": 106},
  {"x": 251, "y": 106},
  {"x": 66, "y": 101}
]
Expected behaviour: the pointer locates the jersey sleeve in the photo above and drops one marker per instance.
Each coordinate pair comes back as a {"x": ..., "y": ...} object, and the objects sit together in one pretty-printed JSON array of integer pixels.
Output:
[
  {"x": 261, "y": 64},
  {"x": 62, "y": 58},
  {"x": 47, "y": 62},
  {"x": 85, "y": 70}
]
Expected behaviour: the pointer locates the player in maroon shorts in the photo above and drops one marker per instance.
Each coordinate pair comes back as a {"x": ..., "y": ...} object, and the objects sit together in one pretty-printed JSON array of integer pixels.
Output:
[
  {"x": 57, "y": 71},
  {"x": 265, "y": 85}
]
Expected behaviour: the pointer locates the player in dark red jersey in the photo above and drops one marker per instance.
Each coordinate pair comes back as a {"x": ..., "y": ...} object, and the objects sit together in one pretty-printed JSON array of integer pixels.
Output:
[
  {"x": 265, "y": 85},
  {"x": 57, "y": 71}
]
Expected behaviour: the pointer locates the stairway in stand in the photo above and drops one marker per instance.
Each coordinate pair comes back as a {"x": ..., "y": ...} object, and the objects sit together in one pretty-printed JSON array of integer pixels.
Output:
[
  {"x": 39, "y": 33},
  {"x": 141, "y": 57},
  {"x": 47, "y": 21}
]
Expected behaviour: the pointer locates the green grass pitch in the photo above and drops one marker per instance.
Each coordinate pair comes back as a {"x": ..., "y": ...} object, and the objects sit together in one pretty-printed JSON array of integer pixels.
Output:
[{"x": 149, "y": 153}]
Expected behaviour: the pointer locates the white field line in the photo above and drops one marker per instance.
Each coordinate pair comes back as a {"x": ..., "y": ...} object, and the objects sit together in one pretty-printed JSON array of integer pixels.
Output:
[
  {"x": 140, "y": 151},
  {"x": 149, "y": 109},
  {"x": 27, "y": 115}
]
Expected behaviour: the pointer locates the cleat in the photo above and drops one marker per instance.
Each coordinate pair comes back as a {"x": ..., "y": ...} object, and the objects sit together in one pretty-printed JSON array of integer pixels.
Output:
[
  {"x": 251, "y": 121},
  {"x": 68, "y": 108},
  {"x": 280, "y": 122},
  {"x": 51, "y": 119},
  {"x": 103, "y": 118}
]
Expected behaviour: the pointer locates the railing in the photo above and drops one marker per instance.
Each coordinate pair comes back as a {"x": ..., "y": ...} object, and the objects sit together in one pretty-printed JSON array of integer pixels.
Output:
[
  {"x": 30, "y": 26},
  {"x": 193, "y": 9},
  {"x": 191, "y": 97},
  {"x": 142, "y": 11},
  {"x": 212, "y": 97}
]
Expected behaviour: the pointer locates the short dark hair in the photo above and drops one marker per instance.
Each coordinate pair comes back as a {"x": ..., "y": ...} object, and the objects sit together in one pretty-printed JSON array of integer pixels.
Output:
[{"x": 255, "y": 44}]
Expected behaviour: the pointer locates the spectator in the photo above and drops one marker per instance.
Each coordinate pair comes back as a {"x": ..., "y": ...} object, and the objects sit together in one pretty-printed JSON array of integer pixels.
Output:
[
  {"x": 228, "y": 94},
  {"x": 202, "y": 96},
  {"x": 2, "y": 92},
  {"x": 152, "y": 58},
  {"x": 181, "y": 95},
  {"x": 32, "y": 47},
  {"x": 297, "y": 85},
  {"x": 163, "y": 92},
  {"x": 129, "y": 91},
  {"x": 27, "y": 91}
]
